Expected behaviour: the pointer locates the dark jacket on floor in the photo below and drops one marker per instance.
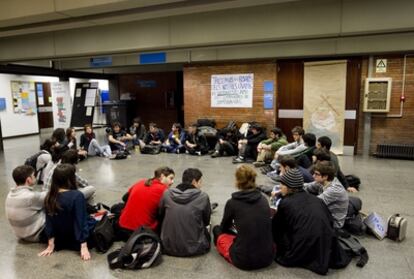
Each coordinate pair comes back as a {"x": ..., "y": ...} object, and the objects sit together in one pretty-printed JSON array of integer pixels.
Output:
[
  {"x": 185, "y": 213},
  {"x": 250, "y": 213},
  {"x": 304, "y": 235}
]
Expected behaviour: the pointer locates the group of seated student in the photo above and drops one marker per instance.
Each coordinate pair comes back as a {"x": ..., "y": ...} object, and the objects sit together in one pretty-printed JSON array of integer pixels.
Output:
[{"x": 302, "y": 233}]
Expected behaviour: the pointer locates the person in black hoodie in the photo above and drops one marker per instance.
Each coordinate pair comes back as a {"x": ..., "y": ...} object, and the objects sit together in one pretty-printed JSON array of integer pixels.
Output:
[
  {"x": 303, "y": 228},
  {"x": 244, "y": 237},
  {"x": 248, "y": 146},
  {"x": 226, "y": 143},
  {"x": 195, "y": 143}
]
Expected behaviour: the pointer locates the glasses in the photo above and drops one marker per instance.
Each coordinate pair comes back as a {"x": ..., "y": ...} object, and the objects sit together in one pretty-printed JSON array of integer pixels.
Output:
[{"x": 316, "y": 174}]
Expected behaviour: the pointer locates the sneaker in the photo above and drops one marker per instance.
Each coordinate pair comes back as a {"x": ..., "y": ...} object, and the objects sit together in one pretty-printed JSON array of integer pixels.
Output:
[
  {"x": 198, "y": 153},
  {"x": 215, "y": 155},
  {"x": 259, "y": 164},
  {"x": 238, "y": 160},
  {"x": 177, "y": 151},
  {"x": 186, "y": 152}
]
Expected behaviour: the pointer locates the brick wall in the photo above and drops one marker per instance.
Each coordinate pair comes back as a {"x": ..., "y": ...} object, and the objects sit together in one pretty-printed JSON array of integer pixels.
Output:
[
  {"x": 391, "y": 130},
  {"x": 197, "y": 94}
]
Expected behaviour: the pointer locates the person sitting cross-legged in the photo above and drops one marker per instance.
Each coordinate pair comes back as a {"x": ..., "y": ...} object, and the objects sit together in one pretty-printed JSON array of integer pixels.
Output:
[
  {"x": 119, "y": 140},
  {"x": 25, "y": 206},
  {"x": 303, "y": 228},
  {"x": 267, "y": 148},
  {"x": 195, "y": 143},
  {"x": 328, "y": 188},
  {"x": 244, "y": 237},
  {"x": 175, "y": 140},
  {"x": 185, "y": 213},
  {"x": 248, "y": 146}
]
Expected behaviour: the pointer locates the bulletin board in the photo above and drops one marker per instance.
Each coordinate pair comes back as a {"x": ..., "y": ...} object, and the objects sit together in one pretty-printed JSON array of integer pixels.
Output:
[
  {"x": 83, "y": 104},
  {"x": 24, "y": 97}
]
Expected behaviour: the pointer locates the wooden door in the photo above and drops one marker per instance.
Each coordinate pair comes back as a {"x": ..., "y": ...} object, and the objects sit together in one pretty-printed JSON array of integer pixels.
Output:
[{"x": 44, "y": 104}]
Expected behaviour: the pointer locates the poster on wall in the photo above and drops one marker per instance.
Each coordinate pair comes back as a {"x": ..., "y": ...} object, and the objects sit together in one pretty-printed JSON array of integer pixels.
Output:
[
  {"x": 324, "y": 101},
  {"x": 24, "y": 97},
  {"x": 61, "y": 103},
  {"x": 232, "y": 91}
]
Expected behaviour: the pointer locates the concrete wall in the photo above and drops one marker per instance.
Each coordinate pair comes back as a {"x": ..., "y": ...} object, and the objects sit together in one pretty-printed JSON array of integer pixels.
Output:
[{"x": 297, "y": 28}]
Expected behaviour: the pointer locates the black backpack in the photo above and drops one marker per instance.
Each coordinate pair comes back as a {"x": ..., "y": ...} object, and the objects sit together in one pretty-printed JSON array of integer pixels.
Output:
[
  {"x": 353, "y": 222},
  {"x": 142, "y": 250},
  {"x": 103, "y": 234},
  {"x": 353, "y": 181},
  {"x": 32, "y": 161}
]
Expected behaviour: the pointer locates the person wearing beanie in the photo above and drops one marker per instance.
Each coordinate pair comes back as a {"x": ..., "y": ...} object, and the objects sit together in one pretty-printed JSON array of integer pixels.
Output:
[{"x": 303, "y": 228}]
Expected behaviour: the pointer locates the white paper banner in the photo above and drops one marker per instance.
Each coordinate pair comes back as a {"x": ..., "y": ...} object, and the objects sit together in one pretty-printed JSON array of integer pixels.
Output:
[
  {"x": 232, "y": 91},
  {"x": 62, "y": 104}
]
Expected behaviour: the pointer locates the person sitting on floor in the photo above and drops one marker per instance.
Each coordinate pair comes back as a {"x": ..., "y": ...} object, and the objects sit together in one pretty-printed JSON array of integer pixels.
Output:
[
  {"x": 154, "y": 138},
  {"x": 185, "y": 213},
  {"x": 59, "y": 137},
  {"x": 137, "y": 130},
  {"x": 43, "y": 159},
  {"x": 72, "y": 143},
  {"x": 267, "y": 148},
  {"x": 118, "y": 139},
  {"x": 248, "y": 146},
  {"x": 195, "y": 143},
  {"x": 68, "y": 225},
  {"x": 142, "y": 201},
  {"x": 330, "y": 190},
  {"x": 25, "y": 207},
  {"x": 326, "y": 143},
  {"x": 303, "y": 228},
  {"x": 226, "y": 143},
  {"x": 89, "y": 143},
  {"x": 244, "y": 237},
  {"x": 176, "y": 139},
  {"x": 71, "y": 157}
]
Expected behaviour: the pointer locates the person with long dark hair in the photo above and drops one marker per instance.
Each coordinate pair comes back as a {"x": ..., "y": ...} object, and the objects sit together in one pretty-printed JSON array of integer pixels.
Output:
[
  {"x": 141, "y": 202},
  {"x": 72, "y": 143},
  {"x": 68, "y": 225}
]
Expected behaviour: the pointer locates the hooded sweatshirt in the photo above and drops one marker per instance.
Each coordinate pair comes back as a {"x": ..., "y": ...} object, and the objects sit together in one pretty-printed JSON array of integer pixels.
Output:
[
  {"x": 249, "y": 212},
  {"x": 185, "y": 211}
]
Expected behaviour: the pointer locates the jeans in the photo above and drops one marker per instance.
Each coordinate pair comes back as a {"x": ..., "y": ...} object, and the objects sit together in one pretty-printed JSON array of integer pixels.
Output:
[{"x": 95, "y": 149}]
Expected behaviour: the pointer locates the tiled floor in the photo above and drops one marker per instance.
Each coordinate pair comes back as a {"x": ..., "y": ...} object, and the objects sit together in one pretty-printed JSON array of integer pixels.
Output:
[{"x": 387, "y": 188}]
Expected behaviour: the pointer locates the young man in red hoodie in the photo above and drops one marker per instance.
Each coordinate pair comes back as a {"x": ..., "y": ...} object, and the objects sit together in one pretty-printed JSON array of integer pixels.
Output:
[{"x": 141, "y": 203}]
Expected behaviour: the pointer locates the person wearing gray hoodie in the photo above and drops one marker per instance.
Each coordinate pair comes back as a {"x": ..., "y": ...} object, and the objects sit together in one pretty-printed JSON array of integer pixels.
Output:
[{"x": 185, "y": 213}]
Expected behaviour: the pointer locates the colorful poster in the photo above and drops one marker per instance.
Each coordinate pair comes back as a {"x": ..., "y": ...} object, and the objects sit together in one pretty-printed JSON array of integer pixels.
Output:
[
  {"x": 24, "y": 97},
  {"x": 324, "y": 101},
  {"x": 61, "y": 103},
  {"x": 232, "y": 91}
]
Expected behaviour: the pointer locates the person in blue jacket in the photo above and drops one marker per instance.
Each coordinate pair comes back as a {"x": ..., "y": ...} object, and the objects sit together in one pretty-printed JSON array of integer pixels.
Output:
[
  {"x": 175, "y": 141},
  {"x": 68, "y": 225}
]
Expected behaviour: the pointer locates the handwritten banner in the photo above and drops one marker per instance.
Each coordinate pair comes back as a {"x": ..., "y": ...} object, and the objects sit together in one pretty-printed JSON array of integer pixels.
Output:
[{"x": 232, "y": 91}]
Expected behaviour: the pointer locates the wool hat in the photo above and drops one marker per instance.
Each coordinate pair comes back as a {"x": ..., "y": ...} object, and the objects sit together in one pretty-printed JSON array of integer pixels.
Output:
[{"x": 293, "y": 178}]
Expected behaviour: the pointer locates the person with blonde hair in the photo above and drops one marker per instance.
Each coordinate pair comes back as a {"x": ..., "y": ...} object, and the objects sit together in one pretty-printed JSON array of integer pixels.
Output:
[{"x": 244, "y": 237}]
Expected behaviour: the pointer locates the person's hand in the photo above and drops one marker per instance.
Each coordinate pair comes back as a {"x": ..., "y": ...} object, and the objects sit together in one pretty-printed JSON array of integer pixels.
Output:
[
  {"x": 221, "y": 141},
  {"x": 48, "y": 251},
  {"x": 85, "y": 255},
  {"x": 122, "y": 143},
  {"x": 352, "y": 190}
]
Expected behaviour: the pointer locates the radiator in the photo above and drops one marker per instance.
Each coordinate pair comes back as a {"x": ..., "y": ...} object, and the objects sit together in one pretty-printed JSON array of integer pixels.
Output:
[{"x": 399, "y": 151}]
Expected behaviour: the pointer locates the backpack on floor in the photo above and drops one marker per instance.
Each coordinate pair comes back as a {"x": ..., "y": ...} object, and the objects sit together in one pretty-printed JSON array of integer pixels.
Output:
[
  {"x": 32, "y": 161},
  {"x": 206, "y": 122},
  {"x": 151, "y": 149},
  {"x": 142, "y": 250},
  {"x": 353, "y": 181},
  {"x": 353, "y": 248},
  {"x": 103, "y": 235},
  {"x": 354, "y": 223}
]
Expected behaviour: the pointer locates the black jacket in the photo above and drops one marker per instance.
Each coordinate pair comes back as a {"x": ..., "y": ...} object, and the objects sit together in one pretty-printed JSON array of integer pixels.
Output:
[
  {"x": 198, "y": 139},
  {"x": 250, "y": 213},
  {"x": 304, "y": 235},
  {"x": 253, "y": 139}
]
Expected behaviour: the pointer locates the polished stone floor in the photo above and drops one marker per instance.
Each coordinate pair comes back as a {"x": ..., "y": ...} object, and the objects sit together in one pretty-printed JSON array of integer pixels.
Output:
[{"x": 387, "y": 187}]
